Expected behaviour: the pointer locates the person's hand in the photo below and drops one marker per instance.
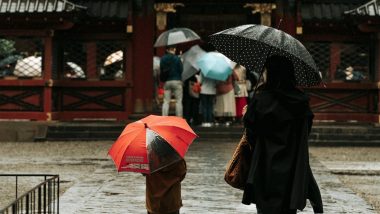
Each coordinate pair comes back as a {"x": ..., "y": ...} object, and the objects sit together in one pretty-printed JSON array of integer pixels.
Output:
[{"x": 244, "y": 109}]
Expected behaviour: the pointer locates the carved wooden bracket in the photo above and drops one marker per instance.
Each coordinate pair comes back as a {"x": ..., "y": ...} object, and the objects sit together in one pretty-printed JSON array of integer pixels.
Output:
[{"x": 161, "y": 10}]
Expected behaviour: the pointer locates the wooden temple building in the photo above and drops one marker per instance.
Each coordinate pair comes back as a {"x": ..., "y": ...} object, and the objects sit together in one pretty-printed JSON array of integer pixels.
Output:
[{"x": 90, "y": 59}]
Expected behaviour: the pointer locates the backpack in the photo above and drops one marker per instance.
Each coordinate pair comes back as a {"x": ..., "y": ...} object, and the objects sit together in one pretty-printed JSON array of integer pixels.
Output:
[{"x": 164, "y": 71}]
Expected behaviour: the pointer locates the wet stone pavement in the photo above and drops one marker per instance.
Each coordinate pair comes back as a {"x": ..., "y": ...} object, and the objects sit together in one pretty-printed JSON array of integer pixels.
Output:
[{"x": 203, "y": 190}]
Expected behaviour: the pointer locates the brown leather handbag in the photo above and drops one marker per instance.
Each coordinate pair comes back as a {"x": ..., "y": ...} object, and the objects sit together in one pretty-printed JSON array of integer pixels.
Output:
[{"x": 236, "y": 174}]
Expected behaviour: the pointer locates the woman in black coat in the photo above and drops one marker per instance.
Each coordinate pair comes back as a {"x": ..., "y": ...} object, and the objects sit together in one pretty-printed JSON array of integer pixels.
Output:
[{"x": 278, "y": 122}]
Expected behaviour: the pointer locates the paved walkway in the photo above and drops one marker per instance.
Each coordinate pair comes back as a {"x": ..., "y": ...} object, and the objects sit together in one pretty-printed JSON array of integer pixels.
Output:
[{"x": 203, "y": 190}]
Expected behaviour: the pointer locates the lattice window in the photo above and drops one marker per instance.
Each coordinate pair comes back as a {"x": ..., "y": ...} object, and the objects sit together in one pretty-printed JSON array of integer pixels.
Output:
[
  {"x": 74, "y": 60},
  {"x": 21, "y": 57},
  {"x": 321, "y": 54},
  {"x": 100, "y": 59},
  {"x": 357, "y": 56},
  {"x": 110, "y": 59}
]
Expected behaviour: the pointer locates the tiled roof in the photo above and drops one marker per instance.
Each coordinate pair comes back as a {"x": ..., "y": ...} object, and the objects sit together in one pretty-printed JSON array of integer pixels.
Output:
[
  {"x": 93, "y": 8},
  {"x": 106, "y": 8},
  {"x": 371, "y": 8},
  {"x": 325, "y": 11},
  {"x": 37, "y": 6}
]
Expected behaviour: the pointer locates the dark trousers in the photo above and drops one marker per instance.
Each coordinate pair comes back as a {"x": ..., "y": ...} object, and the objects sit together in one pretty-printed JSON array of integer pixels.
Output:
[
  {"x": 207, "y": 104},
  {"x": 191, "y": 109}
]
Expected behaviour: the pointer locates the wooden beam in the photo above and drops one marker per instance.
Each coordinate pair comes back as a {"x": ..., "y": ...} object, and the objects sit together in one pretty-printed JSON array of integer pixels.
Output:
[
  {"x": 72, "y": 115},
  {"x": 93, "y": 84},
  {"x": 25, "y": 32},
  {"x": 360, "y": 117},
  {"x": 22, "y": 82},
  {"x": 28, "y": 115}
]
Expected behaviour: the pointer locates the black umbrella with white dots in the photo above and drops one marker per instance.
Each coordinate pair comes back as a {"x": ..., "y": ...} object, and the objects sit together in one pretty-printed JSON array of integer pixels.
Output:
[{"x": 250, "y": 45}]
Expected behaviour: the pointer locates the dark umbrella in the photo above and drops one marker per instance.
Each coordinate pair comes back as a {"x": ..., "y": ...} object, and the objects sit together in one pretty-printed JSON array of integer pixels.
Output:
[
  {"x": 190, "y": 58},
  {"x": 250, "y": 45}
]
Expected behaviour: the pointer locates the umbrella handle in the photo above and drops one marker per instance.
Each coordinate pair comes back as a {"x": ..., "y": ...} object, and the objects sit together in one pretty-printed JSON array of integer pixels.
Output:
[{"x": 279, "y": 24}]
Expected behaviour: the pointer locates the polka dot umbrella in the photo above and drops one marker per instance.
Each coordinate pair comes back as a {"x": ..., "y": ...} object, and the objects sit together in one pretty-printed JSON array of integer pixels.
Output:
[{"x": 250, "y": 45}]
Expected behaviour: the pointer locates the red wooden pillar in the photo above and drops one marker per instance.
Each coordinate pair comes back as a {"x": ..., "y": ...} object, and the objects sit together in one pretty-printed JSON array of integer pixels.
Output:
[
  {"x": 377, "y": 60},
  {"x": 377, "y": 75},
  {"x": 287, "y": 12},
  {"x": 129, "y": 78},
  {"x": 91, "y": 61},
  {"x": 142, "y": 45},
  {"x": 161, "y": 50},
  {"x": 334, "y": 59},
  {"x": 48, "y": 68}
]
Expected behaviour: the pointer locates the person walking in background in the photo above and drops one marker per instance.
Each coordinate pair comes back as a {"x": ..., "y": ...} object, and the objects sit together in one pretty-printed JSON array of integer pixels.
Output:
[
  {"x": 242, "y": 95},
  {"x": 191, "y": 100},
  {"x": 156, "y": 79},
  {"x": 225, "y": 108},
  {"x": 207, "y": 96},
  {"x": 278, "y": 122},
  {"x": 170, "y": 73}
]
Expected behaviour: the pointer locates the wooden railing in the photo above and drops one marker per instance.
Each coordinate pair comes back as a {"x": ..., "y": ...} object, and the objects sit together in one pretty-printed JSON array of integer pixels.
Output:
[
  {"x": 43, "y": 198},
  {"x": 341, "y": 101}
]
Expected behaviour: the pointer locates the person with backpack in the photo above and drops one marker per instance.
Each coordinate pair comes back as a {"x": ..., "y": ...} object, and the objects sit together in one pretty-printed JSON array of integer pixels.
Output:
[{"x": 170, "y": 73}]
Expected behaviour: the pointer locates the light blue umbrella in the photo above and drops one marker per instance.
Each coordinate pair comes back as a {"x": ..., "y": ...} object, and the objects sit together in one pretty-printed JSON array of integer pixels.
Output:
[{"x": 215, "y": 66}]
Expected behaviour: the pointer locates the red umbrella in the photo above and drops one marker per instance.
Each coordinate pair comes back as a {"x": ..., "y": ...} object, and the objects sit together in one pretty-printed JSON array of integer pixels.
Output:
[{"x": 151, "y": 143}]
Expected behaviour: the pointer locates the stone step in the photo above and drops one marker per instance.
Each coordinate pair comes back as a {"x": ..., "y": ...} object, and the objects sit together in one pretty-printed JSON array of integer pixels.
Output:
[
  {"x": 321, "y": 135},
  {"x": 348, "y": 136},
  {"x": 345, "y": 142}
]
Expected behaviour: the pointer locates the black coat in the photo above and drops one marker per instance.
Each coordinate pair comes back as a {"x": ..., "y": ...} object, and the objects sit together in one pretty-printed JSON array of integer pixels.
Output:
[{"x": 278, "y": 124}]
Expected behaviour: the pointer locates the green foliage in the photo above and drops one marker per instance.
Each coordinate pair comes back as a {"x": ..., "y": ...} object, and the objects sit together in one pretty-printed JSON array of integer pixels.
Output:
[{"x": 6, "y": 47}]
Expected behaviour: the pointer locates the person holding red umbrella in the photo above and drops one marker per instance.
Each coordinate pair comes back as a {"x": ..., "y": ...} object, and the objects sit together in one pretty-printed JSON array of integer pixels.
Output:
[
  {"x": 156, "y": 146},
  {"x": 163, "y": 189}
]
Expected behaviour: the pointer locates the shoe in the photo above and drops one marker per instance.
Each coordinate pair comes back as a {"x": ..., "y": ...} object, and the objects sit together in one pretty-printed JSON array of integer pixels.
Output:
[
  {"x": 203, "y": 124},
  {"x": 227, "y": 123}
]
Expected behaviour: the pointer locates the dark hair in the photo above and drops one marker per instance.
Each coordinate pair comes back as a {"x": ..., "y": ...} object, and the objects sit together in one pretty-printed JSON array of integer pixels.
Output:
[
  {"x": 280, "y": 73},
  {"x": 170, "y": 47}
]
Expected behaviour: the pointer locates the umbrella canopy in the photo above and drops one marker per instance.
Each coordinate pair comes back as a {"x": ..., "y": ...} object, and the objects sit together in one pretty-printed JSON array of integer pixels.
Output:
[
  {"x": 151, "y": 144},
  {"x": 114, "y": 57},
  {"x": 176, "y": 36},
  {"x": 250, "y": 45},
  {"x": 75, "y": 71},
  {"x": 28, "y": 67},
  {"x": 190, "y": 58},
  {"x": 215, "y": 66}
]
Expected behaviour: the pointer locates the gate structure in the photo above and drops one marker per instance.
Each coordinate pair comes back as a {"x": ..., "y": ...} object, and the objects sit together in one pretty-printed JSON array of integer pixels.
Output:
[{"x": 61, "y": 60}]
